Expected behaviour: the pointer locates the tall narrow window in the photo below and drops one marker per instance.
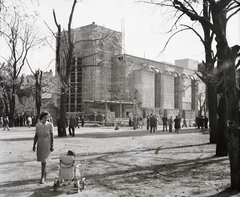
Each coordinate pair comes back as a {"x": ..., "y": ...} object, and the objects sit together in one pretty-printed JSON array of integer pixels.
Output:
[
  {"x": 176, "y": 92},
  {"x": 158, "y": 90},
  {"x": 193, "y": 100}
]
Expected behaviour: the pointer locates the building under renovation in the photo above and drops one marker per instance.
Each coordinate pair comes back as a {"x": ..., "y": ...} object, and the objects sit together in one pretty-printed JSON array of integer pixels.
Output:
[{"x": 104, "y": 81}]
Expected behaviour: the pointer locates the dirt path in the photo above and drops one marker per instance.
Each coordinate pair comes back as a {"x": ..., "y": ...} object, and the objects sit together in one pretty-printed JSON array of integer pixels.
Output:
[{"x": 120, "y": 163}]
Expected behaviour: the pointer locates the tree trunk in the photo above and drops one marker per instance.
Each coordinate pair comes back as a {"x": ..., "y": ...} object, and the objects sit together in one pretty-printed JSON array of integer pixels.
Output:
[
  {"x": 212, "y": 107},
  {"x": 211, "y": 84},
  {"x": 226, "y": 60},
  {"x": 62, "y": 122},
  {"x": 12, "y": 107},
  {"x": 221, "y": 147},
  {"x": 38, "y": 78},
  {"x": 233, "y": 121}
]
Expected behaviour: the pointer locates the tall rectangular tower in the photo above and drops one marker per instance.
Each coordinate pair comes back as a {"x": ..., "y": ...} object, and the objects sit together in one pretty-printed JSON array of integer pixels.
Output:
[{"x": 94, "y": 50}]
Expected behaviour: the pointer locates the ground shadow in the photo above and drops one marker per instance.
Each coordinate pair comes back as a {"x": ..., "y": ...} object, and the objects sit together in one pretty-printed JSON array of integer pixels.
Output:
[
  {"x": 133, "y": 133},
  {"x": 17, "y": 139},
  {"x": 43, "y": 190},
  {"x": 225, "y": 193},
  {"x": 156, "y": 150},
  {"x": 46, "y": 192},
  {"x": 139, "y": 174},
  {"x": 110, "y": 134}
]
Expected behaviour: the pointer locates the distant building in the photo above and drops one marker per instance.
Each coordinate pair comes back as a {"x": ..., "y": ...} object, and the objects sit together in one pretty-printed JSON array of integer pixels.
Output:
[
  {"x": 49, "y": 94},
  {"x": 105, "y": 81}
]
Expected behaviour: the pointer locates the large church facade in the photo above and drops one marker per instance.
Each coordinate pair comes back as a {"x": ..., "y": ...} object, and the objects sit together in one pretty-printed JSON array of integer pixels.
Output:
[{"x": 104, "y": 81}]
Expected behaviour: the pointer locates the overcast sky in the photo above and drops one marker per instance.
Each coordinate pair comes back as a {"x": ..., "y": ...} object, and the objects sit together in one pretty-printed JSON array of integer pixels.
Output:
[{"x": 144, "y": 28}]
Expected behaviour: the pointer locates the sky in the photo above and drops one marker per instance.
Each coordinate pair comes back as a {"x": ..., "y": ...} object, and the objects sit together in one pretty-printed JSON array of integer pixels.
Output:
[{"x": 144, "y": 27}]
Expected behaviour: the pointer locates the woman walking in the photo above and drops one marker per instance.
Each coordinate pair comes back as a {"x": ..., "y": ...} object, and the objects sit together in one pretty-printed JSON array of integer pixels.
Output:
[
  {"x": 44, "y": 140},
  {"x": 5, "y": 123}
]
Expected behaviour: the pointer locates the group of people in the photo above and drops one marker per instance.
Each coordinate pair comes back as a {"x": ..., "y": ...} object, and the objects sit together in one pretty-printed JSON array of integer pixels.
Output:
[
  {"x": 72, "y": 123},
  {"x": 21, "y": 120},
  {"x": 152, "y": 123},
  {"x": 201, "y": 122},
  {"x": 136, "y": 122},
  {"x": 44, "y": 133}
]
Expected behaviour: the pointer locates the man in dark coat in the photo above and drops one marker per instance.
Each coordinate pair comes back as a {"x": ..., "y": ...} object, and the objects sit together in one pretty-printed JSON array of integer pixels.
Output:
[
  {"x": 153, "y": 123},
  {"x": 130, "y": 121},
  {"x": 135, "y": 122},
  {"x": 72, "y": 125},
  {"x": 148, "y": 122},
  {"x": 206, "y": 122},
  {"x": 177, "y": 124},
  {"x": 164, "y": 120}
]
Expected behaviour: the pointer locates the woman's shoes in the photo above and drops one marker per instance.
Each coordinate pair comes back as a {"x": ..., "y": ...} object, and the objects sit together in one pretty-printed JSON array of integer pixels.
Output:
[{"x": 42, "y": 180}]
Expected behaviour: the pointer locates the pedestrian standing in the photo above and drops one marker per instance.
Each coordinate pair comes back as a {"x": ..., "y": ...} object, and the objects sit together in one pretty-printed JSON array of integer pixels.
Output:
[
  {"x": 177, "y": 124},
  {"x": 72, "y": 125},
  {"x": 78, "y": 121},
  {"x": 140, "y": 122},
  {"x": 164, "y": 120},
  {"x": 6, "y": 123},
  {"x": 170, "y": 123},
  {"x": 201, "y": 122},
  {"x": 196, "y": 122},
  {"x": 153, "y": 123},
  {"x": 130, "y": 121},
  {"x": 83, "y": 120},
  {"x": 29, "y": 120},
  {"x": 184, "y": 122},
  {"x": 44, "y": 140},
  {"x": 206, "y": 122},
  {"x": 179, "y": 119},
  {"x": 148, "y": 121}
]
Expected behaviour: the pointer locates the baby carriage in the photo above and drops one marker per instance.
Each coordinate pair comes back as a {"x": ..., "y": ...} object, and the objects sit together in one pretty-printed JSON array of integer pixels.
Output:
[{"x": 71, "y": 170}]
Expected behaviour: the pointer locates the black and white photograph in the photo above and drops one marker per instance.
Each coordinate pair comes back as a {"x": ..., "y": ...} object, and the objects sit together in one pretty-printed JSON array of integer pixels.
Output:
[{"x": 120, "y": 98}]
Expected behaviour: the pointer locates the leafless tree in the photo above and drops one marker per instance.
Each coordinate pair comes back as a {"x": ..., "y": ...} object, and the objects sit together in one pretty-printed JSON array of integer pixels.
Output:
[
  {"x": 38, "y": 88},
  {"x": 65, "y": 44},
  {"x": 20, "y": 37},
  {"x": 213, "y": 18}
]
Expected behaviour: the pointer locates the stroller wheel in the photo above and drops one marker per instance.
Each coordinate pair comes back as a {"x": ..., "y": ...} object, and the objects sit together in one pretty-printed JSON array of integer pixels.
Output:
[{"x": 56, "y": 185}]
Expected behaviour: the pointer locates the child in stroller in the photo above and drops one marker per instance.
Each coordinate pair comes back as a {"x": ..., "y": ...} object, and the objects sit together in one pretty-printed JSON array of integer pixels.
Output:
[{"x": 69, "y": 171}]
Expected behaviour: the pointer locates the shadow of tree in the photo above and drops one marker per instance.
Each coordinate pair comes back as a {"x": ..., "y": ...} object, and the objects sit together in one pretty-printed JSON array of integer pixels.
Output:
[
  {"x": 110, "y": 134},
  {"x": 43, "y": 190},
  {"x": 115, "y": 172},
  {"x": 46, "y": 192},
  {"x": 226, "y": 193},
  {"x": 18, "y": 183},
  {"x": 132, "y": 133}
]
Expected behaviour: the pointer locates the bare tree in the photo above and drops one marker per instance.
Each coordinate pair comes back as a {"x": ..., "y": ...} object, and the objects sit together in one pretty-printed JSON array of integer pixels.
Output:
[
  {"x": 38, "y": 88},
  {"x": 64, "y": 73},
  {"x": 213, "y": 19},
  {"x": 20, "y": 37},
  {"x": 65, "y": 44}
]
